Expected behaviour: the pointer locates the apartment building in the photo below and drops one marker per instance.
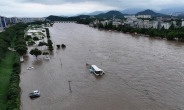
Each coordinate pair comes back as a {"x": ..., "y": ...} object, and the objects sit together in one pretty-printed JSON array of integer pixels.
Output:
[{"x": 2, "y": 22}]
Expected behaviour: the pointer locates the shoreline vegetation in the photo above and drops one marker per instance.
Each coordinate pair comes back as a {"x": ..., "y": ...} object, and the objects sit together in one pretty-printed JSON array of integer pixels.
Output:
[
  {"x": 10, "y": 67},
  {"x": 12, "y": 37},
  {"x": 173, "y": 33}
]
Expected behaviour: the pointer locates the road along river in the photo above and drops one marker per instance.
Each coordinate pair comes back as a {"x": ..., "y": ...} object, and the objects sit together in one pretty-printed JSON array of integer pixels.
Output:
[{"x": 142, "y": 73}]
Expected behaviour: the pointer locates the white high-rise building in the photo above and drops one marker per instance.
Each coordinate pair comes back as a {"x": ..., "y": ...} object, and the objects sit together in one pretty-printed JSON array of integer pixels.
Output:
[
  {"x": 165, "y": 25},
  {"x": 14, "y": 20},
  {"x": 182, "y": 23}
]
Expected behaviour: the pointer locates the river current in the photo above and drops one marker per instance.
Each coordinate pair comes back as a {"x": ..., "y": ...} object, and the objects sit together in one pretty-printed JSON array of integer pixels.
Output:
[{"x": 141, "y": 73}]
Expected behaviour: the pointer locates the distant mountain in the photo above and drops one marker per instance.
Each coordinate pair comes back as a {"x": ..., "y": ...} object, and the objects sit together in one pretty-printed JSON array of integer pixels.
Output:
[
  {"x": 63, "y": 16},
  {"x": 149, "y": 12},
  {"x": 110, "y": 14},
  {"x": 59, "y": 18},
  {"x": 132, "y": 10},
  {"x": 83, "y": 16},
  {"x": 181, "y": 15},
  {"x": 80, "y": 14},
  {"x": 97, "y": 12},
  {"x": 172, "y": 10},
  {"x": 55, "y": 18}
]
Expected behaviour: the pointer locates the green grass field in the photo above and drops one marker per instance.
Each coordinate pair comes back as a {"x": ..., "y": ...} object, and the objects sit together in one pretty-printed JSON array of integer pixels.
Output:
[{"x": 6, "y": 68}]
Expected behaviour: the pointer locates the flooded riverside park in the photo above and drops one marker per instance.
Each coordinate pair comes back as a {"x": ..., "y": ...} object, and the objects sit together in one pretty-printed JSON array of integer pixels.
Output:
[{"x": 141, "y": 73}]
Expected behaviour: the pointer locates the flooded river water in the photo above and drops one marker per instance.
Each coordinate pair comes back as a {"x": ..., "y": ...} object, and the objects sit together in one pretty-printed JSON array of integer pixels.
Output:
[{"x": 141, "y": 73}]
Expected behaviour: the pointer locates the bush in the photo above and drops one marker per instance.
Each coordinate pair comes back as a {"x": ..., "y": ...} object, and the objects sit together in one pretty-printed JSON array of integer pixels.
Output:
[
  {"x": 10, "y": 105},
  {"x": 58, "y": 46},
  {"x": 31, "y": 42},
  {"x": 16, "y": 64},
  {"x": 28, "y": 37},
  {"x": 16, "y": 70},
  {"x": 13, "y": 96},
  {"x": 51, "y": 48},
  {"x": 63, "y": 46},
  {"x": 45, "y": 53},
  {"x": 15, "y": 78}
]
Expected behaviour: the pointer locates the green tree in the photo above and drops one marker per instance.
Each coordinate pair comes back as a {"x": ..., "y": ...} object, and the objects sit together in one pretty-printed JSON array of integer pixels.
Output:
[
  {"x": 21, "y": 49},
  {"x": 63, "y": 45},
  {"x": 171, "y": 27},
  {"x": 3, "y": 45},
  {"x": 114, "y": 27},
  {"x": 35, "y": 38},
  {"x": 48, "y": 33},
  {"x": 28, "y": 37},
  {"x": 58, "y": 46},
  {"x": 42, "y": 44},
  {"x": 31, "y": 42},
  {"x": 151, "y": 32},
  {"x": 50, "y": 47},
  {"x": 100, "y": 25},
  {"x": 35, "y": 52},
  {"x": 109, "y": 25},
  {"x": 171, "y": 35},
  {"x": 45, "y": 53},
  {"x": 20, "y": 41},
  {"x": 162, "y": 29}
]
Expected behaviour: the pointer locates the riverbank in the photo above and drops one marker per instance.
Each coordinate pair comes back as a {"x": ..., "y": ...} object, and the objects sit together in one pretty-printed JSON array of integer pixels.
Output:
[
  {"x": 9, "y": 78},
  {"x": 173, "y": 33}
]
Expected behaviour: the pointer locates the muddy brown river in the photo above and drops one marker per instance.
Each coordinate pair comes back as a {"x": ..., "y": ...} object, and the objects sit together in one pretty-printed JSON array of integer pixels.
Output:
[{"x": 141, "y": 73}]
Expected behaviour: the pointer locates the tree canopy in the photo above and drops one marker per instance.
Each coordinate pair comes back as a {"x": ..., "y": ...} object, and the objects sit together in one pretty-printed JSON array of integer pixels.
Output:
[
  {"x": 36, "y": 52},
  {"x": 45, "y": 53},
  {"x": 35, "y": 38}
]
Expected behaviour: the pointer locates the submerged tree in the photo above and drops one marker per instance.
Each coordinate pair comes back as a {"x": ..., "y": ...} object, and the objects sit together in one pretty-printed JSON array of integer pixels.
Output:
[
  {"x": 42, "y": 44},
  {"x": 63, "y": 45},
  {"x": 35, "y": 52},
  {"x": 35, "y": 38},
  {"x": 45, "y": 53},
  {"x": 58, "y": 46}
]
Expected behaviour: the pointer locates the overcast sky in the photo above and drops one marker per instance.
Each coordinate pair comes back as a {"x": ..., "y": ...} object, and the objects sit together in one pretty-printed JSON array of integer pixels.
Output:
[{"x": 44, "y": 8}]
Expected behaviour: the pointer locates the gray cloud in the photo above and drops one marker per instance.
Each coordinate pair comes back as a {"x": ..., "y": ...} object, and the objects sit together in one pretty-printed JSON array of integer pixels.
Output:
[
  {"x": 59, "y": 7},
  {"x": 46, "y": 2},
  {"x": 116, "y": 3}
]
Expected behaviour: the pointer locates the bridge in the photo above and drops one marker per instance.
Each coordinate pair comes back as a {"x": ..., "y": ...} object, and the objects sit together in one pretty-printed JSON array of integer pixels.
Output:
[{"x": 65, "y": 21}]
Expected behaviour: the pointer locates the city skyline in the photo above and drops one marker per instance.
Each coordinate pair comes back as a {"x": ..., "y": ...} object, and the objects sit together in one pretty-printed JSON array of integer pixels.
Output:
[{"x": 44, "y": 8}]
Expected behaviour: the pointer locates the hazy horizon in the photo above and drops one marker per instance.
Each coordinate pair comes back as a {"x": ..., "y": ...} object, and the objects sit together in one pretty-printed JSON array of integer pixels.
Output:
[{"x": 44, "y": 8}]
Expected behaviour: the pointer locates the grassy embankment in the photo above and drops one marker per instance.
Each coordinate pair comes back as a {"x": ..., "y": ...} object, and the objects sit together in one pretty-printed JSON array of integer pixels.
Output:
[
  {"x": 10, "y": 66},
  {"x": 9, "y": 80},
  {"x": 6, "y": 68}
]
